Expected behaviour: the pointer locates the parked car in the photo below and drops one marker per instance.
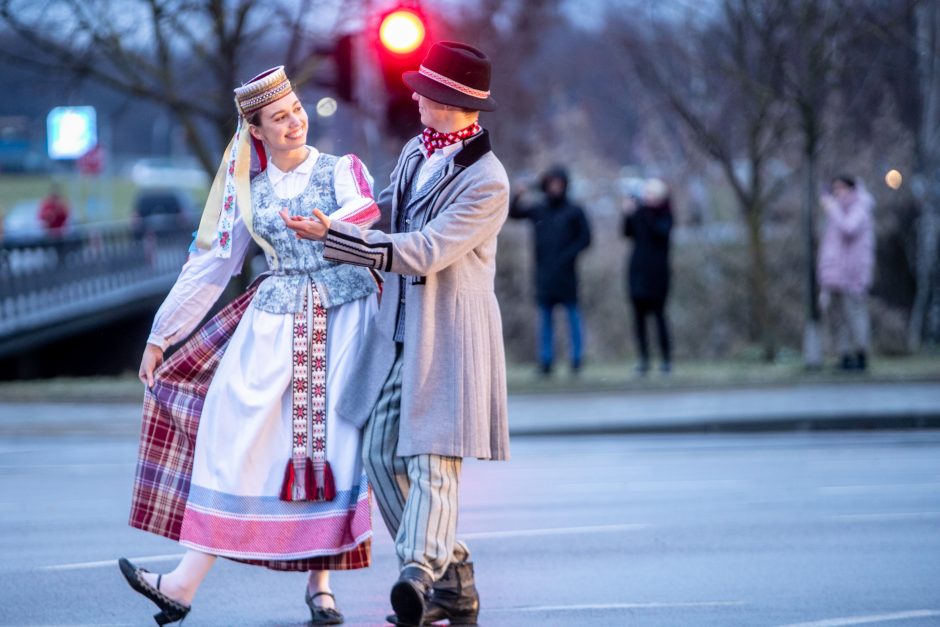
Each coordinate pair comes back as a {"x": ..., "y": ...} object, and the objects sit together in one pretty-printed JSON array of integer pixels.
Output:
[
  {"x": 22, "y": 223},
  {"x": 163, "y": 209},
  {"x": 165, "y": 172}
]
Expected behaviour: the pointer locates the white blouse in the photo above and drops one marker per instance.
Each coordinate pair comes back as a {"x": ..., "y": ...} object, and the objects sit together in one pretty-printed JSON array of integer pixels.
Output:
[{"x": 204, "y": 275}]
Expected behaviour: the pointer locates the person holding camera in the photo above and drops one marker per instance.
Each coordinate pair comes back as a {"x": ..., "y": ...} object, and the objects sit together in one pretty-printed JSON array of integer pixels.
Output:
[
  {"x": 648, "y": 222},
  {"x": 845, "y": 267},
  {"x": 562, "y": 233}
]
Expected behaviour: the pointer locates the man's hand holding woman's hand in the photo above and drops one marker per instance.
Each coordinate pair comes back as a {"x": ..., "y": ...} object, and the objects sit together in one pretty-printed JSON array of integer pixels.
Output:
[
  {"x": 153, "y": 357},
  {"x": 314, "y": 228}
]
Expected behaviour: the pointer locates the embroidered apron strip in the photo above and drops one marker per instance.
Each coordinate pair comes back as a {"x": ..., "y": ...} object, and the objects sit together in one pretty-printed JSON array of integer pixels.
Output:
[{"x": 308, "y": 476}]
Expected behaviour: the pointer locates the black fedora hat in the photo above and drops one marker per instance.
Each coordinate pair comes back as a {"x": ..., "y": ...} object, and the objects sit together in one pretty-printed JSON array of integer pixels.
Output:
[{"x": 454, "y": 74}]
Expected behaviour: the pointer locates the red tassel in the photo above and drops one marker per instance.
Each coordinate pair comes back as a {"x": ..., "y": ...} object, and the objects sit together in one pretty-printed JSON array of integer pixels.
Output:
[
  {"x": 329, "y": 486},
  {"x": 287, "y": 489},
  {"x": 311, "y": 481},
  {"x": 259, "y": 149}
]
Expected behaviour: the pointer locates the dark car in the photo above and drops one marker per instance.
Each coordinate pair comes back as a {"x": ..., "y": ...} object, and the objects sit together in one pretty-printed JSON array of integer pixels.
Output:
[{"x": 163, "y": 210}]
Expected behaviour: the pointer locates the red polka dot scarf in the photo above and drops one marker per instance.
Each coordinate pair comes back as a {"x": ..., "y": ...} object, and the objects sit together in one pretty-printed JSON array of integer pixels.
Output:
[{"x": 435, "y": 139}]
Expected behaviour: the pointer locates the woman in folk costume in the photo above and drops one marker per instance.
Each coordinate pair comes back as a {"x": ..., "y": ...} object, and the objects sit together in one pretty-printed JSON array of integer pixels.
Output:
[{"x": 240, "y": 453}]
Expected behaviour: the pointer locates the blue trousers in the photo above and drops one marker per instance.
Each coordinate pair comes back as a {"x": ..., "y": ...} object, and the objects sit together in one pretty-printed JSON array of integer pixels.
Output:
[{"x": 547, "y": 334}]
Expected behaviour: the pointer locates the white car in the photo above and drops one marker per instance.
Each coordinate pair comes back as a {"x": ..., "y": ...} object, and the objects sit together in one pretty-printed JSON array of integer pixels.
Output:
[
  {"x": 164, "y": 172},
  {"x": 22, "y": 222}
]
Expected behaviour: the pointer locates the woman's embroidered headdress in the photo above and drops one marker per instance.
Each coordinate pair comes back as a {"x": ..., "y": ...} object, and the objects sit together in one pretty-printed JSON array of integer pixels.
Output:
[{"x": 231, "y": 186}]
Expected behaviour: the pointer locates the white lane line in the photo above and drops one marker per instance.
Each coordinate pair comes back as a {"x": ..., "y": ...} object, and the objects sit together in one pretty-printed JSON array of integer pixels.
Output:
[
  {"x": 557, "y": 531},
  {"x": 862, "y": 620},
  {"x": 106, "y": 563},
  {"x": 617, "y": 606},
  {"x": 888, "y": 516},
  {"x": 76, "y": 466},
  {"x": 484, "y": 535},
  {"x": 86, "y": 625},
  {"x": 876, "y": 487},
  {"x": 652, "y": 486}
]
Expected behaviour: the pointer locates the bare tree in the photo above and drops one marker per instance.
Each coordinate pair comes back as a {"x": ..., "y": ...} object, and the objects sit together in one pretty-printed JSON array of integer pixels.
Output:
[
  {"x": 514, "y": 33},
  {"x": 927, "y": 176},
  {"x": 719, "y": 73},
  {"x": 811, "y": 65},
  {"x": 186, "y": 55}
]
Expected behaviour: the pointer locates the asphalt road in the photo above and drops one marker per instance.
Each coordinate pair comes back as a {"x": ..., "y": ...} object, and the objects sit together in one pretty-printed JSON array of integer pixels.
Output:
[{"x": 812, "y": 529}]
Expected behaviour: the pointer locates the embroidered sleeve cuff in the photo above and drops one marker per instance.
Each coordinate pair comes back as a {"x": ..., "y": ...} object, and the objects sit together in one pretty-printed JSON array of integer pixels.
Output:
[{"x": 343, "y": 247}]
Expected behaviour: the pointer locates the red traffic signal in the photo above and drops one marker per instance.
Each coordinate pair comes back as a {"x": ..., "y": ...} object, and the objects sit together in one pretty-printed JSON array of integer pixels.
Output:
[
  {"x": 402, "y": 31},
  {"x": 401, "y": 41}
]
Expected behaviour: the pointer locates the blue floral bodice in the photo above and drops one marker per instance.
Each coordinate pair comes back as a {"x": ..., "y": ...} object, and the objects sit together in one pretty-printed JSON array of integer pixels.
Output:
[{"x": 299, "y": 263}]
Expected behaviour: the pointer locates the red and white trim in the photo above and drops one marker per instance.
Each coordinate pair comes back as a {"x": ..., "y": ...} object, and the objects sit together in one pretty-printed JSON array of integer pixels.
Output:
[
  {"x": 443, "y": 80},
  {"x": 307, "y": 479}
]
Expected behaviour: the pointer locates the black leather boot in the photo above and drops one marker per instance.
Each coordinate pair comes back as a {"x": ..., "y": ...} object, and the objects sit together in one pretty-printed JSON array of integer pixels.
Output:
[
  {"x": 454, "y": 597},
  {"x": 410, "y": 596}
]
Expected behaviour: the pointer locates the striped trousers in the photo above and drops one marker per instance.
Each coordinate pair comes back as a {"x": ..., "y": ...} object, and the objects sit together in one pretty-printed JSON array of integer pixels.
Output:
[{"x": 417, "y": 495}]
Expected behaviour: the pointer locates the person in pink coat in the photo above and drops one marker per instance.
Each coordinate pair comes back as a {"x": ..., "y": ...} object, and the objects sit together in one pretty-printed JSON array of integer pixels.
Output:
[{"x": 845, "y": 267}]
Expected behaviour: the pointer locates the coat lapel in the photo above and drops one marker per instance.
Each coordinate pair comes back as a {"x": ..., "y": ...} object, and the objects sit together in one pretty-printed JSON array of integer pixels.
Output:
[
  {"x": 408, "y": 170},
  {"x": 472, "y": 151}
]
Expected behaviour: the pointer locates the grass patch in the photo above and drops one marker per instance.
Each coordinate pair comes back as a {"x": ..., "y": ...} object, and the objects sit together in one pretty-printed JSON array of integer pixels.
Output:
[
  {"x": 114, "y": 195},
  {"x": 523, "y": 379},
  {"x": 742, "y": 372}
]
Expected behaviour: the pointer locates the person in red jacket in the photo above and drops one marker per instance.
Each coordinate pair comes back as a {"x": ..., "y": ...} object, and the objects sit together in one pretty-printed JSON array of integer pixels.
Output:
[{"x": 54, "y": 211}]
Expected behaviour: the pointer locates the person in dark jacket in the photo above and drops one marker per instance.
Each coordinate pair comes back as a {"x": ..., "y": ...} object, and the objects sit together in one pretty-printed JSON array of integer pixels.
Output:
[
  {"x": 561, "y": 233},
  {"x": 648, "y": 223}
]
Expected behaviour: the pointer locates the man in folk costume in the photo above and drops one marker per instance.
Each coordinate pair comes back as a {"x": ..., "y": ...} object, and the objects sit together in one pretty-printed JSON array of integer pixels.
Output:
[
  {"x": 433, "y": 385},
  {"x": 241, "y": 452}
]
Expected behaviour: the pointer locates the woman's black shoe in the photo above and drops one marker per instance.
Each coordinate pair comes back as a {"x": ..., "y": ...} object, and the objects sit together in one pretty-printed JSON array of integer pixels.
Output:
[
  {"x": 170, "y": 610},
  {"x": 323, "y": 615}
]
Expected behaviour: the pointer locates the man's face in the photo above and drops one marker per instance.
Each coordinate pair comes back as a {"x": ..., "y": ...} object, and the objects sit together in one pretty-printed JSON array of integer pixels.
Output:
[{"x": 433, "y": 114}]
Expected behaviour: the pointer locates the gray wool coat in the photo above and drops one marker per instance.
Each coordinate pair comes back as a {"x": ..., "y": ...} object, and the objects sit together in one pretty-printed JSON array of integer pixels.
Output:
[{"x": 454, "y": 370}]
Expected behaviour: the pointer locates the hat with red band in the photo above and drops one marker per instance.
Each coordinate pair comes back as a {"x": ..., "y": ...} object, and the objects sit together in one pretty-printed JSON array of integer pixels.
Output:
[{"x": 454, "y": 74}]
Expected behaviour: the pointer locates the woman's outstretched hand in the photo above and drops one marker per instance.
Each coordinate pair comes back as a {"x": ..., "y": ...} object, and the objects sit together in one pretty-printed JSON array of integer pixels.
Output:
[
  {"x": 314, "y": 228},
  {"x": 153, "y": 357}
]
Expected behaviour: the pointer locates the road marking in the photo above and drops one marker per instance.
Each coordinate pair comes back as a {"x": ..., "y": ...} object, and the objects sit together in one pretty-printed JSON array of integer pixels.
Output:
[
  {"x": 876, "y": 487},
  {"x": 484, "y": 535},
  {"x": 86, "y": 625},
  {"x": 69, "y": 466},
  {"x": 891, "y": 516},
  {"x": 861, "y": 620},
  {"x": 557, "y": 531},
  {"x": 617, "y": 606},
  {"x": 653, "y": 486},
  {"x": 105, "y": 563}
]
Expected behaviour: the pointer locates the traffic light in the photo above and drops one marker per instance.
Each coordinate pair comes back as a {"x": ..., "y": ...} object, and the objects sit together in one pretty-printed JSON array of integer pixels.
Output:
[
  {"x": 345, "y": 68},
  {"x": 402, "y": 38},
  {"x": 402, "y": 31}
]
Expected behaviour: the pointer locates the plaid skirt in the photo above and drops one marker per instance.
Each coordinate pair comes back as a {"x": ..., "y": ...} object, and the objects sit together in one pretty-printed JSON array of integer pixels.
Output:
[{"x": 170, "y": 422}]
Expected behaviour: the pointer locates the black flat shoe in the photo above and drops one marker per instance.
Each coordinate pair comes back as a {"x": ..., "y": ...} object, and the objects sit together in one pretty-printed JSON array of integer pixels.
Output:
[
  {"x": 170, "y": 610},
  {"x": 323, "y": 615}
]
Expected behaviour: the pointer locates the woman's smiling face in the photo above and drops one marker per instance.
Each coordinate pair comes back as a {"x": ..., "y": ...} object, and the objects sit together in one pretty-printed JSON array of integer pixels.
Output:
[{"x": 282, "y": 125}]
